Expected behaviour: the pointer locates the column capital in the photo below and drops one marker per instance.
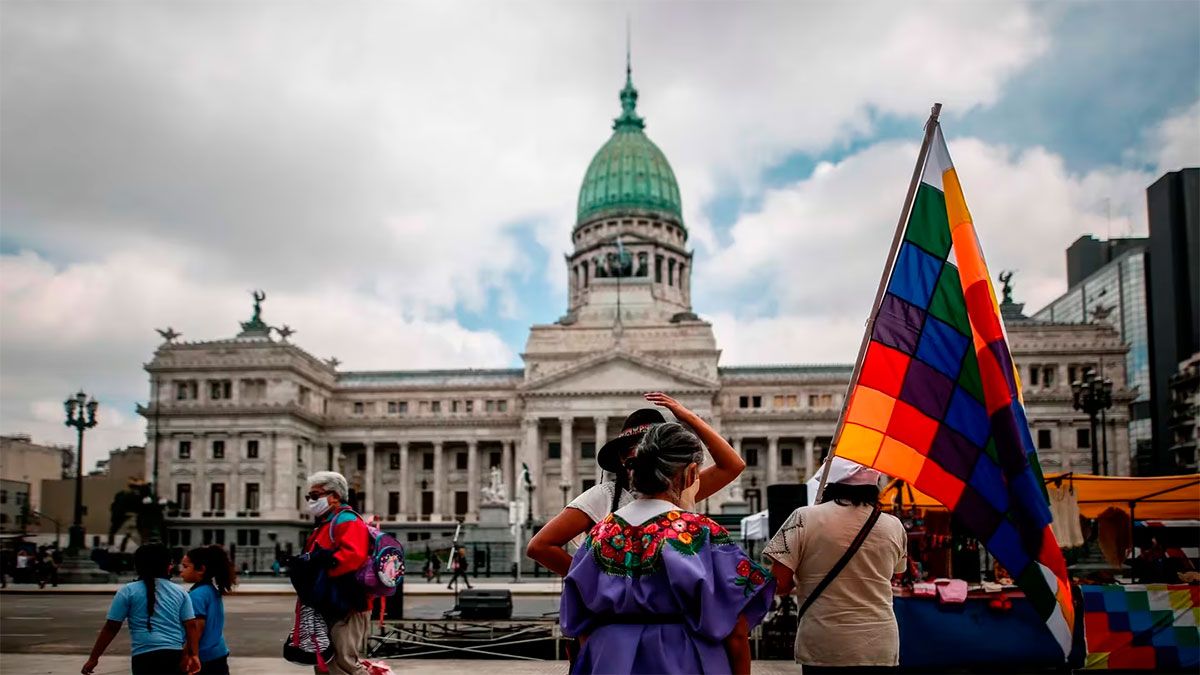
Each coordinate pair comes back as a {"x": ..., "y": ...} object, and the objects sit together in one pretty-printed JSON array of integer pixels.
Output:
[
  {"x": 528, "y": 422},
  {"x": 566, "y": 419},
  {"x": 600, "y": 420},
  {"x": 437, "y": 445},
  {"x": 403, "y": 445},
  {"x": 472, "y": 443}
]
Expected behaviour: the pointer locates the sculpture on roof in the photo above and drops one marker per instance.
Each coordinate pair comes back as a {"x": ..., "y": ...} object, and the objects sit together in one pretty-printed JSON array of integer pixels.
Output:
[
  {"x": 1006, "y": 279},
  {"x": 285, "y": 332},
  {"x": 258, "y": 296},
  {"x": 256, "y": 327},
  {"x": 168, "y": 334}
]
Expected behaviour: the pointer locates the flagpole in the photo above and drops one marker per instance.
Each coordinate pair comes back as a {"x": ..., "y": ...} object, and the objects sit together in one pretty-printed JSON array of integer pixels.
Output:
[{"x": 930, "y": 126}]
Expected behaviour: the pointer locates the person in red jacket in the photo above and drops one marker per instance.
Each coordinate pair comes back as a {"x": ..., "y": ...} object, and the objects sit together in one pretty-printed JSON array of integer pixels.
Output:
[{"x": 339, "y": 545}]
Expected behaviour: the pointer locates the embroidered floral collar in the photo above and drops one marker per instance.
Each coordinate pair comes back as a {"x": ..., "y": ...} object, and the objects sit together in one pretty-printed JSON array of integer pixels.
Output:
[{"x": 625, "y": 549}]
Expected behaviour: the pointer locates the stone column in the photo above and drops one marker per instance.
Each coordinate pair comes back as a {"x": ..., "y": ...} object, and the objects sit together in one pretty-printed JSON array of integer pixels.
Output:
[
  {"x": 1065, "y": 452},
  {"x": 601, "y": 439},
  {"x": 369, "y": 479},
  {"x": 735, "y": 488},
  {"x": 405, "y": 481},
  {"x": 772, "y": 460},
  {"x": 568, "y": 455},
  {"x": 472, "y": 479},
  {"x": 506, "y": 467},
  {"x": 530, "y": 455},
  {"x": 439, "y": 482}
]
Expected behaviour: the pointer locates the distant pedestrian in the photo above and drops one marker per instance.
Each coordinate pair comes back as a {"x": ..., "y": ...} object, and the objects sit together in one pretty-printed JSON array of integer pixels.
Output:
[
  {"x": 458, "y": 565},
  {"x": 212, "y": 575},
  {"x": 25, "y": 563},
  {"x": 275, "y": 567},
  {"x": 163, "y": 632},
  {"x": 433, "y": 566}
]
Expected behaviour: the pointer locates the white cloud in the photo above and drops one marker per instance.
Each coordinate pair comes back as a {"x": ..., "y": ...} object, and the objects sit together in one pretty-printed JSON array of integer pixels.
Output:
[
  {"x": 797, "y": 280},
  {"x": 1174, "y": 143}
]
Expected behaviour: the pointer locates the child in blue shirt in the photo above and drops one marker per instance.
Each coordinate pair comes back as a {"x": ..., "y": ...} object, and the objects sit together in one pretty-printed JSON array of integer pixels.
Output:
[
  {"x": 162, "y": 624},
  {"x": 212, "y": 575}
]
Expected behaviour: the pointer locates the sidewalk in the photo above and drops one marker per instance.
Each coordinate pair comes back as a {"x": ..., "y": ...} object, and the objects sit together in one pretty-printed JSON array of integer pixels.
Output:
[
  {"x": 44, "y": 664},
  {"x": 411, "y": 588}
]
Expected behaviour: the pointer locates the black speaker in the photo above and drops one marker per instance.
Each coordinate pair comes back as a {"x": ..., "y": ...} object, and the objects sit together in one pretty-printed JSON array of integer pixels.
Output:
[
  {"x": 782, "y": 499},
  {"x": 486, "y": 605}
]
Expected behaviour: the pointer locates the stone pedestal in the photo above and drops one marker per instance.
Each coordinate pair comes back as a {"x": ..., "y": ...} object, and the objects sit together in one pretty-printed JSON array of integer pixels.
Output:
[
  {"x": 494, "y": 530},
  {"x": 78, "y": 568}
]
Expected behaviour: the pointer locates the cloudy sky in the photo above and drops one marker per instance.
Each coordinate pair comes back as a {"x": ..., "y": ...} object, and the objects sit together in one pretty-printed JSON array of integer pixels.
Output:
[{"x": 401, "y": 177}]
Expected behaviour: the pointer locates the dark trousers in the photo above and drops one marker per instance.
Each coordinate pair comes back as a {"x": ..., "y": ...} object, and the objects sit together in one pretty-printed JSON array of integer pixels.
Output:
[
  {"x": 457, "y": 574},
  {"x": 158, "y": 662},
  {"x": 215, "y": 666}
]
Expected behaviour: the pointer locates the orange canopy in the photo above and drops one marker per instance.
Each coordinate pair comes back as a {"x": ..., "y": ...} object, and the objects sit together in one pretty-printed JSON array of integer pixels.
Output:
[{"x": 1152, "y": 498}]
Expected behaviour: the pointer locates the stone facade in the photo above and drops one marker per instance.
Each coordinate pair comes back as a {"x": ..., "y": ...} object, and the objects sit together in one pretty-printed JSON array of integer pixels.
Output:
[{"x": 27, "y": 462}]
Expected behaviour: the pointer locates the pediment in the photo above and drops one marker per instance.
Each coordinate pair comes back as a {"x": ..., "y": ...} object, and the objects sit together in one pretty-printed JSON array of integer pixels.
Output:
[{"x": 618, "y": 372}]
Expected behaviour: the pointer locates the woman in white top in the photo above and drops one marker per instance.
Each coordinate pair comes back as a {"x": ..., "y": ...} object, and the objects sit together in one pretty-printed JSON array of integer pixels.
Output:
[{"x": 594, "y": 504}]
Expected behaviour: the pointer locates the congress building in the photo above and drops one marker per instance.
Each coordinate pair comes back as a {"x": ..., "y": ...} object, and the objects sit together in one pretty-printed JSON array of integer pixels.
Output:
[{"x": 235, "y": 425}]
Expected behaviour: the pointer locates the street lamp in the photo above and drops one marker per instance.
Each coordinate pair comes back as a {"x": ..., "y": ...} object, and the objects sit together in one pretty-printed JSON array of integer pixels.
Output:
[
  {"x": 1092, "y": 396},
  {"x": 81, "y": 414}
]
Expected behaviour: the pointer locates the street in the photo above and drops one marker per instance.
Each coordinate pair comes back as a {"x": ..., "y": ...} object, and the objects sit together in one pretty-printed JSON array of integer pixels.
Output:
[{"x": 255, "y": 625}]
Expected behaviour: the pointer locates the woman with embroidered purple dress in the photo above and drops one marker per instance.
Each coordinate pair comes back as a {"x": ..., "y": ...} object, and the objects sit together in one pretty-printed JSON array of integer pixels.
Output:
[{"x": 657, "y": 588}]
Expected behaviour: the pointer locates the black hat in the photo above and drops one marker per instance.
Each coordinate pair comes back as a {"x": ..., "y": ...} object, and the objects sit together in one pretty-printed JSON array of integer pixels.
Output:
[{"x": 636, "y": 426}]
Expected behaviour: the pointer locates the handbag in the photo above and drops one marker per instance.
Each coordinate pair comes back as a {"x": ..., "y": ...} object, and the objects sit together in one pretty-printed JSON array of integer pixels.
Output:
[
  {"x": 308, "y": 643},
  {"x": 841, "y": 563}
]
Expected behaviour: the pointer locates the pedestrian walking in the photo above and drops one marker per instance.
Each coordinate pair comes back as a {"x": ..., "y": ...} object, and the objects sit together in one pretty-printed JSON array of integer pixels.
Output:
[
  {"x": 657, "y": 587},
  {"x": 433, "y": 566},
  {"x": 163, "y": 633},
  {"x": 458, "y": 566},
  {"x": 212, "y": 575},
  {"x": 839, "y": 558}
]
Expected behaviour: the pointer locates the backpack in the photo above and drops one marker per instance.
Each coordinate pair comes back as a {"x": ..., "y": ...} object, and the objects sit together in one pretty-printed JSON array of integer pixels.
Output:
[{"x": 383, "y": 569}]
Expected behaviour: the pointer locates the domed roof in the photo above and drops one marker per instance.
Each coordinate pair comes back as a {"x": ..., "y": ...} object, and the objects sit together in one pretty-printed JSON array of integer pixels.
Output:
[{"x": 629, "y": 173}]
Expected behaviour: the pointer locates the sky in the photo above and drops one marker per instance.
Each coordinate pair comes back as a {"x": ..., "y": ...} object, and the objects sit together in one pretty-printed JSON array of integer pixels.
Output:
[{"x": 400, "y": 178}]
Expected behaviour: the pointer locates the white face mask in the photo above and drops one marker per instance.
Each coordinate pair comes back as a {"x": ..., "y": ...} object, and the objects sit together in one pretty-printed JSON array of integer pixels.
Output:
[{"x": 318, "y": 507}]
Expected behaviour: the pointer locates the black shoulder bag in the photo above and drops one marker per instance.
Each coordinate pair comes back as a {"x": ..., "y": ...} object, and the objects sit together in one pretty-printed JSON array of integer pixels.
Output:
[{"x": 841, "y": 564}]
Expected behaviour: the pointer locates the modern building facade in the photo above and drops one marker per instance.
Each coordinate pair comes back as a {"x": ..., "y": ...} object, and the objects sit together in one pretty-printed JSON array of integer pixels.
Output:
[
  {"x": 236, "y": 424},
  {"x": 1111, "y": 289},
  {"x": 1173, "y": 260}
]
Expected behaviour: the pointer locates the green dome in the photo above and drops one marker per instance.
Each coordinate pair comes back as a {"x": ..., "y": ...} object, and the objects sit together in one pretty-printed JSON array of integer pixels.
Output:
[{"x": 629, "y": 173}]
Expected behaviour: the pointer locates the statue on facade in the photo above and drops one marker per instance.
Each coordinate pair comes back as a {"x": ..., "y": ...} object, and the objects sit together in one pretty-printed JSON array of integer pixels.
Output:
[
  {"x": 1006, "y": 279},
  {"x": 256, "y": 327},
  {"x": 258, "y": 296},
  {"x": 285, "y": 332},
  {"x": 494, "y": 492},
  {"x": 168, "y": 334}
]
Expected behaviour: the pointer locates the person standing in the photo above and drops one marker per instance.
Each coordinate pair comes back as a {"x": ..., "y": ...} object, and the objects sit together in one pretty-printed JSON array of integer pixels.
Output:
[
  {"x": 658, "y": 588},
  {"x": 458, "y": 566},
  {"x": 212, "y": 575},
  {"x": 337, "y": 547},
  {"x": 846, "y": 621},
  {"x": 547, "y": 546},
  {"x": 162, "y": 623}
]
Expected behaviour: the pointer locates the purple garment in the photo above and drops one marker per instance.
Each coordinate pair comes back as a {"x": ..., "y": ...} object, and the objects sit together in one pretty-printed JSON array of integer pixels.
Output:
[{"x": 651, "y": 603}]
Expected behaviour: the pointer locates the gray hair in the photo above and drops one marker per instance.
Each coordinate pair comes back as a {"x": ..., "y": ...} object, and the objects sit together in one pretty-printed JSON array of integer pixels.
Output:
[
  {"x": 661, "y": 457},
  {"x": 332, "y": 481}
]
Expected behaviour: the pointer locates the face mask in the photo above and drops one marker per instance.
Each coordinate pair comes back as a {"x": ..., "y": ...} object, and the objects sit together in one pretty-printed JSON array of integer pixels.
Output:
[{"x": 318, "y": 507}]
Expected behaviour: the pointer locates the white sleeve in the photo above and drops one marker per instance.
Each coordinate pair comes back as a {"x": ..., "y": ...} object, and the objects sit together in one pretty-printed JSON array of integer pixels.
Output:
[{"x": 595, "y": 502}]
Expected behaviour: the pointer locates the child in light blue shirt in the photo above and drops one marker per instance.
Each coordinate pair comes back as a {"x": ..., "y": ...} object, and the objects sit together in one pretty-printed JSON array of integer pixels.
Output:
[
  {"x": 162, "y": 630},
  {"x": 212, "y": 575}
]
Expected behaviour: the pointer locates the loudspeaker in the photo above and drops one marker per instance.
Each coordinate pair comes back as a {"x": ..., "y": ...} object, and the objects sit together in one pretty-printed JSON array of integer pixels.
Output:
[
  {"x": 479, "y": 604},
  {"x": 782, "y": 499}
]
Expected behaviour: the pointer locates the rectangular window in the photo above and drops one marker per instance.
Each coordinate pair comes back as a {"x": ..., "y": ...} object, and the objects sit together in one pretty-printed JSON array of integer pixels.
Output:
[
  {"x": 1072, "y": 374},
  {"x": 743, "y": 401},
  {"x": 297, "y": 497},
  {"x": 304, "y": 396},
  {"x": 751, "y": 456},
  {"x": 1043, "y": 439},
  {"x": 554, "y": 450},
  {"x": 793, "y": 401},
  {"x": 1083, "y": 438},
  {"x": 213, "y": 537},
  {"x": 393, "y": 408},
  {"x": 218, "y": 449},
  {"x": 460, "y": 503},
  {"x": 777, "y": 401},
  {"x": 185, "y": 390},
  {"x": 587, "y": 449},
  {"x": 427, "y": 461},
  {"x": 460, "y": 461},
  {"x": 183, "y": 496},
  {"x": 394, "y": 461},
  {"x": 247, "y": 537},
  {"x": 502, "y": 406},
  {"x": 393, "y": 503},
  {"x": 359, "y": 407},
  {"x": 216, "y": 497},
  {"x": 454, "y": 407},
  {"x": 361, "y": 460},
  {"x": 1034, "y": 371},
  {"x": 435, "y": 406},
  {"x": 427, "y": 502},
  {"x": 489, "y": 406},
  {"x": 1048, "y": 378},
  {"x": 756, "y": 401},
  {"x": 493, "y": 458},
  {"x": 402, "y": 407},
  {"x": 299, "y": 453},
  {"x": 185, "y": 449},
  {"x": 252, "y": 496},
  {"x": 470, "y": 406},
  {"x": 785, "y": 456},
  {"x": 220, "y": 390},
  {"x": 252, "y": 449}
]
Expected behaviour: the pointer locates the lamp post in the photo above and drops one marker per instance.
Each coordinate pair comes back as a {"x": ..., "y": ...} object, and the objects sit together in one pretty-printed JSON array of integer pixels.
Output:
[
  {"x": 1092, "y": 396},
  {"x": 81, "y": 414}
]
